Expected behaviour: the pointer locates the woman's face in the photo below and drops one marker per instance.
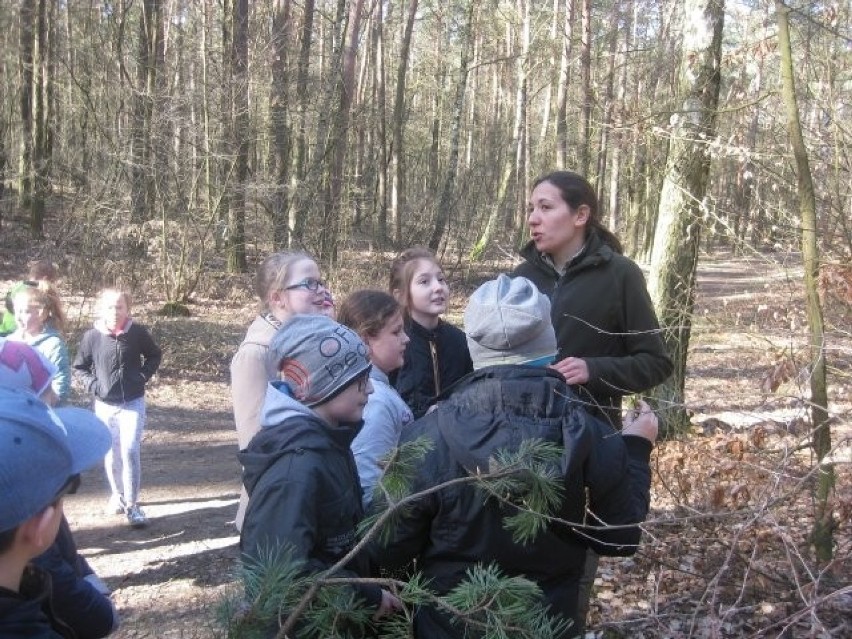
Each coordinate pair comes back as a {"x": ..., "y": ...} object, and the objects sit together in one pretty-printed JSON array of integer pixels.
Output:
[
  {"x": 555, "y": 227},
  {"x": 387, "y": 349},
  {"x": 296, "y": 296}
]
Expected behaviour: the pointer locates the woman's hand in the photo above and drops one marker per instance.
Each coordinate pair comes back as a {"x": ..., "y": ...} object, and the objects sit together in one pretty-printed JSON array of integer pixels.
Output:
[
  {"x": 642, "y": 422},
  {"x": 573, "y": 369}
]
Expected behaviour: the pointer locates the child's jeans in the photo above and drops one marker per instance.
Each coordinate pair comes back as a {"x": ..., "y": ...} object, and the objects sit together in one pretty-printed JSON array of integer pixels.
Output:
[{"x": 123, "y": 465}]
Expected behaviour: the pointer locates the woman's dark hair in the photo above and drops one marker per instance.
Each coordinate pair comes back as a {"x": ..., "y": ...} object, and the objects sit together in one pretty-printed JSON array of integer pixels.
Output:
[
  {"x": 576, "y": 191},
  {"x": 367, "y": 311}
]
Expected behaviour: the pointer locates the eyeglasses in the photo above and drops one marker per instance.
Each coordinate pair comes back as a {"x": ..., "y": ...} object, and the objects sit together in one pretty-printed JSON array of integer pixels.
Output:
[
  {"x": 68, "y": 488},
  {"x": 311, "y": 284}
]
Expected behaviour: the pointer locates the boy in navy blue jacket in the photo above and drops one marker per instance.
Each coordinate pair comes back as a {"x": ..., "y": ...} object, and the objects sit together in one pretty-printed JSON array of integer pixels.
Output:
[{"x": 60, "y": 445}]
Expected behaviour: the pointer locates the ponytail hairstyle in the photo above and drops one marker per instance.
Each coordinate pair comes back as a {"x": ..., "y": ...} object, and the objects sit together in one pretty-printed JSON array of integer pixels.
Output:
[
  {"x": 273, "y": 272},
  {"x": 44, "y": 295},
  {"x": 576, "y": 191},
  {"x": 367, "y": 312},
  {"x": 402, "y": 272}
]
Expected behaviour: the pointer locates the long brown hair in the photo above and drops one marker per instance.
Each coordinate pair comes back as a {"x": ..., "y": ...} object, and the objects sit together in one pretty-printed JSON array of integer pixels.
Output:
[
  {"x": 367, "y": 311},
  {"x": 576, "y": 191},
  {"x": 43, "y": 294}
]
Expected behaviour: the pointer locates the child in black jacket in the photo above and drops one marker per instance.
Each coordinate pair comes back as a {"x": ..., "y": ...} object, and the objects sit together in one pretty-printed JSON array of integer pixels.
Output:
[{"x": 115, "y": 360}]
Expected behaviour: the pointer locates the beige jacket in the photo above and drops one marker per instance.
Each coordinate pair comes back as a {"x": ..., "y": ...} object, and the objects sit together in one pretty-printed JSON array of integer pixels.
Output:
[{"x": 249, "y": 375}]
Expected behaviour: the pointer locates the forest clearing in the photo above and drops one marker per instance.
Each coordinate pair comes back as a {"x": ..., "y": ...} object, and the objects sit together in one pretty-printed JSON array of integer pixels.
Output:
[{"x": 725, "y": 547}]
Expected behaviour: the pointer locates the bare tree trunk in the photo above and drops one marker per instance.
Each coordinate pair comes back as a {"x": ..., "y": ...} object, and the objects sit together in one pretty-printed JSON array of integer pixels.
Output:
[
  {"x": 398, "y": 148},
  {"x": 300, "y": 159},
  {"x": 445, "y": 204},
  {"x": 609, "y": 105},
  {"x": 143, "y": 194},
  {"x": 280, "y": 115},
  {"x": 239, "y": 120},
  {"x": 548, "y": 90},
  {"x": 586, "y": 75},
  {"x": 675, "y": 254},
  {"x": 519, "y": 137},
  {"x": 564, "y": 83},
  {"x": 618, "y": 136},
  {"x": 330, "y": 231},
  {"x": 380, "y": 164},
  {"x": 27, "y": 64},
  {"x": 822, "y": 534}
]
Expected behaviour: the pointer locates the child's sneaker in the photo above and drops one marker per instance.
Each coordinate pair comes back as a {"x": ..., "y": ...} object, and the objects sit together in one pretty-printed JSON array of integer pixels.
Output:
[
  {"x": 115, "y": 506},
  {"x": 136, "y": 517}
]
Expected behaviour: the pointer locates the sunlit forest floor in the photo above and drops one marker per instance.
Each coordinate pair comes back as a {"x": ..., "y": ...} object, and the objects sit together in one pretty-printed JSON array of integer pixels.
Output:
[{"x": 725, "y": 552}]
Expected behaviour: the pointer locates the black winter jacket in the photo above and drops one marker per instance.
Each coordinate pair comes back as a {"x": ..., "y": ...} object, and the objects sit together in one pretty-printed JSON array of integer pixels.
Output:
[
  {"x": 76, "y": 601},
  {"x": 602, "y": 313},
  {"x": 28, "y": 614},
  {"x": 451, "y": 530},
  {"x": 115, "y": 368},
  {"x": 303, "y": 489},
  {"x": 434, "y": 360}
]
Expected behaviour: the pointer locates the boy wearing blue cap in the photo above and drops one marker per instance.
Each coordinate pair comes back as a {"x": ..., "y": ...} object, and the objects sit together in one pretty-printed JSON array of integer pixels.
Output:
[
  {"x": 79, "y": 597},
  {"x": 42, "y": 453},
  {"x": 299, "y": 471}
]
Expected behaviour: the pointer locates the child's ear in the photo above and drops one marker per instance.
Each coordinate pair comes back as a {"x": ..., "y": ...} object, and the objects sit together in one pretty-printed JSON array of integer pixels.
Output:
[
  {"x": 39, "y": 531},
  {"x": 397, "y": 295}
]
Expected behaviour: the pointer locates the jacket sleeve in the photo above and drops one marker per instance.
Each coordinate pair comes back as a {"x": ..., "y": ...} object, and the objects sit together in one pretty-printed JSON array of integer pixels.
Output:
[
  {"x": 378, "y": 436},
  {"x": 56, "y": 351},
  {"x": 151, "y": 354},
  {"x": 647, "y": 362},
  {"x": 618, "y": 478},
  {"x": 76, "y": 601},
  {"x": 409, "y": 531},
  {"x": 282, "y": 513},
  {"x": 84, "y": 365},
  {"x": 248, "y": 390}
]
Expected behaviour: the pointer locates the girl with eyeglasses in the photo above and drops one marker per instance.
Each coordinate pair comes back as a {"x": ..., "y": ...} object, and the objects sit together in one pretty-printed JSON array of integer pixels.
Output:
[{"x": 287, "y": 283}]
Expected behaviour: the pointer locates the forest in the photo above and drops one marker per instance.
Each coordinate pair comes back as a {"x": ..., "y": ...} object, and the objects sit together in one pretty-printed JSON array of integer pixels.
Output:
[{"x": 169, "y": 145}]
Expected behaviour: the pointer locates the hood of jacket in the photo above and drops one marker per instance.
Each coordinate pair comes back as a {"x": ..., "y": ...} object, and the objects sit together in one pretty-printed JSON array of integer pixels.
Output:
[
  {"x": 500, "y": 406},
  {"x": 288, "y": 426},
  {"x": 47, "y": 333},
  {"x": 261, "y": 331}
]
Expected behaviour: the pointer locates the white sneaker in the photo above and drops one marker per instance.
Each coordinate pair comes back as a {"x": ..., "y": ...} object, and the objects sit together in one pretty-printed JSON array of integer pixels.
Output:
[
  {"x": 115, "y": 506},
  {"x": 136, "y": 517}
]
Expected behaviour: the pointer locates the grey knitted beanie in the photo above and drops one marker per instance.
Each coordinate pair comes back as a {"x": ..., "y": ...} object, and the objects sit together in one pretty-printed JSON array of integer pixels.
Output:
[
  {"x": 317, "y": 357},
  {"x": 507, "y": 321}
]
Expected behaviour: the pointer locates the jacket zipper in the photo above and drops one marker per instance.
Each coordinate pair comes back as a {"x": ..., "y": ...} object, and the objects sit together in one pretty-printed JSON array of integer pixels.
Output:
[{"x": 435, "y": 372}]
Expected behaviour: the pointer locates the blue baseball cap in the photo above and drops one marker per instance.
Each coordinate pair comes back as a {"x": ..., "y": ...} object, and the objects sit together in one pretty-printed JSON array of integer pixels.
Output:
[{"x": 40, "y": 450}]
